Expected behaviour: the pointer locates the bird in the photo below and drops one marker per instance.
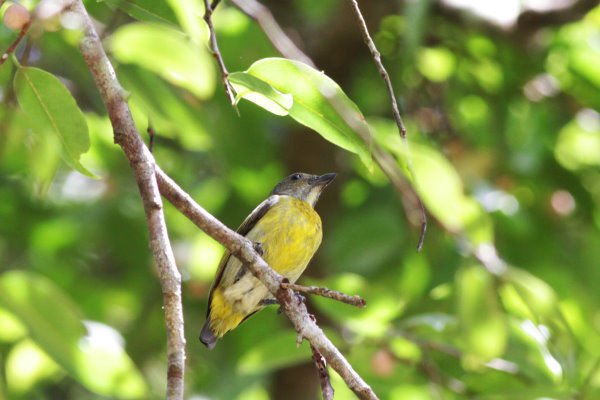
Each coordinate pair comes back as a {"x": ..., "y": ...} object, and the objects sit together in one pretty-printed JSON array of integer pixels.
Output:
[{"x": 286, "y": 231}]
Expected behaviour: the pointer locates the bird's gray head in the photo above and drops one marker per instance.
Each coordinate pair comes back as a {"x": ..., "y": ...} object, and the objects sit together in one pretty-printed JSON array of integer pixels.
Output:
[{"x": 304, "y": 186}]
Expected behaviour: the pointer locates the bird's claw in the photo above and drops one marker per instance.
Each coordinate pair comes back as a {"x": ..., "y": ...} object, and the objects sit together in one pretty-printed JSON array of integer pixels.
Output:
[{"x": 259, "y": 248}]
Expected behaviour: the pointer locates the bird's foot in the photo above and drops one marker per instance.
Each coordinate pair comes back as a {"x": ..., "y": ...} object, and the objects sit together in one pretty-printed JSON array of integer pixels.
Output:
[
  {"x": 268, "y": 302},
  {"x": 259, "y": 248}
]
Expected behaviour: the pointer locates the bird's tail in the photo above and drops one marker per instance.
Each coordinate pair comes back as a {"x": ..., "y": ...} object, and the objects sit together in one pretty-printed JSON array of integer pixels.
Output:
[{"x": 207, "y": 336}]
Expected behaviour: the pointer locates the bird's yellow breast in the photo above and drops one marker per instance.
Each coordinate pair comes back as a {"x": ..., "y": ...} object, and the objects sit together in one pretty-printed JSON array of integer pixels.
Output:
[{"x": 290, "y": 233}]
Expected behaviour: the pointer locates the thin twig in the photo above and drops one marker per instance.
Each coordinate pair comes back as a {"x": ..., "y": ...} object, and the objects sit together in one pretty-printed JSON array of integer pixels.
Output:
[
  {"x": 142, "y": 163},
  {"x": 395, "y": 110},
  {"x": 151, "y": 135},
  {"x": 321, "y": 365},
  {"x": 214, "y": 46},
  {"x": 496, "y": 364},
  {"x": 271, "y": 28},
  {"x": 244, "y": 250},
  {"x": 15, "y": 43},
  {"x": 382, "y": 71},
  {"x": 331, "y": 294}
]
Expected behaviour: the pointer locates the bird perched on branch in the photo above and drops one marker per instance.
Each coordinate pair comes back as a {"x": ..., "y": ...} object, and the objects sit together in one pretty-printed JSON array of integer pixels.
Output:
[{"x": 287, "y": 231}]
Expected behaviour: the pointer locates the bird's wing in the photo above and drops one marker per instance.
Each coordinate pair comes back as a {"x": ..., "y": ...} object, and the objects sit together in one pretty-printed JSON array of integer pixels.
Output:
[{"x": 243, "y": 230}]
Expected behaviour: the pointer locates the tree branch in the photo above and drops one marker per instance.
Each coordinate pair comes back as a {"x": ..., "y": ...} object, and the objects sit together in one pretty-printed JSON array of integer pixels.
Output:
[
  {"x": 395, "y": 111},
  {"x": 325, "y": 292},
  {"x": 243, "y": 249},
  {"x": 214, "y": 46},
  {"x": 15, "y": 43},
  {"x": 324, "y": 379},
  {"x": 263, "y": 17},
  {"x": 142, "y": 163}
]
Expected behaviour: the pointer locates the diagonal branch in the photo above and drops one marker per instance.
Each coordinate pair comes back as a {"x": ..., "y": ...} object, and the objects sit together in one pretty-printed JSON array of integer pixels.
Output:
[
  {"x": 263, "y": 17},
  {"x": 143, "y": 166},
  {"x": 243, "y": 249}
]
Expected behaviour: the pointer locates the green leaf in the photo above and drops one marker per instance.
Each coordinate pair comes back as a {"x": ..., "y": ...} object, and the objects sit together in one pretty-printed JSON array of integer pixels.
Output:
[
  {"x": 310, "y": 107},
  {"x": 536, "y": 294},
  {"x": 383, "y": 305},
  {"x": 438, "y": 183},
  {"x": 54, "y": 323},
  {"x": 168, "y": 53},
  {"x": 27, "y": 366},
  {"x": 50, "y": 106},
  {"x": 483, "y": 327},
  {"x": 261, "y": 93},
  {"x": 145, "y": 10}
]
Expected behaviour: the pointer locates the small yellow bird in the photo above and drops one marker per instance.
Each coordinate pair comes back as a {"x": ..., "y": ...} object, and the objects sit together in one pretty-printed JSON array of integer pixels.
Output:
[{"x": 287, "y": 231}]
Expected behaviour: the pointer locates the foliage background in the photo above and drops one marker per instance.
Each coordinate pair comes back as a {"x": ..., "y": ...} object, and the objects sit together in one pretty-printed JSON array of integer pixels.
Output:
[{"x": 509, "y": 113}]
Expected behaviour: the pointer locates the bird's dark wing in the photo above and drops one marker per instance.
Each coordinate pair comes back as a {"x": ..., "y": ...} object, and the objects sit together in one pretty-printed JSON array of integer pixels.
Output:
[
  {"x": 257, "y": 214},
  {"x": 243, "y": 230}
]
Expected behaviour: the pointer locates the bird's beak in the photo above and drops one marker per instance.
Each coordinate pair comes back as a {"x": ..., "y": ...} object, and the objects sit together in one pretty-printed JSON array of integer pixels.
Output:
[{"x": 323, "y": 180}]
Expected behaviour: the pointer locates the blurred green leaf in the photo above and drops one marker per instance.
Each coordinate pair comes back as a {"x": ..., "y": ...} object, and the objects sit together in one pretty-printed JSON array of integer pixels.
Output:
[
  {"x": 12, "y": 329},
  {"x": 310, "y": 107},
  {"x": 52, "y": 108},
  {"x": 438, "y": 183},
  {"x": 168, "y": 53},
  {"x": 437, "y": 64},
  {"x": 54, "y": 323},
  {"x": 145, "y": 10},
  {"x": 578, "y": 144},
  {"x": 275, "y": 351},
  {"x": 189, "y": 13},
  {"x": 482, "y": 324},
  {"x": 536, "y": 294},
  {"x": 383, "y": 305},
  {"x": 27, "y": 366}
]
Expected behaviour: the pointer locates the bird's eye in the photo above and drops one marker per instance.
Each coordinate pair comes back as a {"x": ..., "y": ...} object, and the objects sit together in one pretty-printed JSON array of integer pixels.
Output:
[{"x": 295, "y": 177}]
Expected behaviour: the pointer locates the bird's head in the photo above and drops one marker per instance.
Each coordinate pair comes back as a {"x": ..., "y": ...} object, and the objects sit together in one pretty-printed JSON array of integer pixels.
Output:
[{"x": 304, "y": 186}]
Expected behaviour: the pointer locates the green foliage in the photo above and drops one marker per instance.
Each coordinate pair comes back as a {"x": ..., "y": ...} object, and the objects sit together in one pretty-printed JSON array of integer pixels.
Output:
[
  {"x": 54, "y": 323},
  {"x": 502, "y": 140},
  {"x": 313, "y": 104},
  {"x": 50, "y": 106}
]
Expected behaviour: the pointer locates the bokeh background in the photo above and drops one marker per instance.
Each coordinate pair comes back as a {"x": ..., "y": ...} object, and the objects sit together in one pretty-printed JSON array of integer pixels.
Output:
[{"x": 501, "y": 100}]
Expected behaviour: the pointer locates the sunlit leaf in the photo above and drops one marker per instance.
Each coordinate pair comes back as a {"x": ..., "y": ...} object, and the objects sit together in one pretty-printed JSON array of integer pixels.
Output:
[
  {"x": 383, "y": 305},
  {"x": 12, "y": 329},
  {"x": 168, "y": 53},
  {"x": 310, "y": 106},
  {"x": 189, "y": 14},
  {"x": 437, "y": 64},
  {"x": 27, "y": 366},
  {"x": 261, "y": 93},
  {"x": 538, "y": 296},
  {"x": 50, "y": 105},
  {"x": 438, "y": 184},
  {"x": 482, "y": 323},
  {"x": 54, "y": 323}
]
